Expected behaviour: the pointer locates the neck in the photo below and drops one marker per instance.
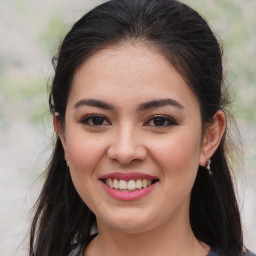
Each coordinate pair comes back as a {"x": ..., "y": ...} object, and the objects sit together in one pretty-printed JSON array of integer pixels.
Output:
[{"x": 174, "y": 239}]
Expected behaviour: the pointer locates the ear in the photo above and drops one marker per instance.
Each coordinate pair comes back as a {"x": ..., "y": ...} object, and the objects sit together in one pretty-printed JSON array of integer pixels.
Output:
[
  {"x": 59, "y": 130},
  {"x": 212, "y": 136}
]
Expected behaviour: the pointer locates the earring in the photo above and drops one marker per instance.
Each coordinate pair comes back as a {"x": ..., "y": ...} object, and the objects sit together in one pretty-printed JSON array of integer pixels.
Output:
[
  {"x": 67, "y": 163},
  {"x": 208, "y": 167}
]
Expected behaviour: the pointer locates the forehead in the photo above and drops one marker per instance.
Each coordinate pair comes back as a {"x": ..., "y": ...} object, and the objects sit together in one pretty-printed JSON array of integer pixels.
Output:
[
  {"x": 129, "y": 70},
  {"x": 125, "y": 61}
]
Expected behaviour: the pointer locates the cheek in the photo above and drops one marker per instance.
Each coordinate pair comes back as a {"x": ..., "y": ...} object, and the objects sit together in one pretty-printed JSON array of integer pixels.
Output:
[
  {"x": 179, "y": 155},
  {"x": 85, "y": 153},
  {"x": 85, "y": 156}
]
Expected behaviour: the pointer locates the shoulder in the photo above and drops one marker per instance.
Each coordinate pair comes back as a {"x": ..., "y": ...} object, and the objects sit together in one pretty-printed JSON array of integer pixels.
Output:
[{"x": 218, "y": 252}]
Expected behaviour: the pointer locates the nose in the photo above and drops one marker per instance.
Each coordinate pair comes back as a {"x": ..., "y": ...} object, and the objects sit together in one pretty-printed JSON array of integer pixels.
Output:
[{"x": 127, "y": 146}]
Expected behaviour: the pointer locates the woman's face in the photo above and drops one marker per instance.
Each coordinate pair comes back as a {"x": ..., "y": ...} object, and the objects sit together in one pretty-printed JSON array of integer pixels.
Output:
[{"x": 132, "y": 138}]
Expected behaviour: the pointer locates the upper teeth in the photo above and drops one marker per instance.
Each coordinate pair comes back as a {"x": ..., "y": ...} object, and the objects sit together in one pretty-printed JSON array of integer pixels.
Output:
[{"x": 128, "y": 185}]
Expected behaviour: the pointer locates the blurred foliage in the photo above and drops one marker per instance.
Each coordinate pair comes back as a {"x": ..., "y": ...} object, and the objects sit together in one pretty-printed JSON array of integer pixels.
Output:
[
  {"x": 233, "y": 22},
  {"x": 1, "y": 68},
  {"x": 53, "y": 32},
  {"x": 23, "y": 98}
]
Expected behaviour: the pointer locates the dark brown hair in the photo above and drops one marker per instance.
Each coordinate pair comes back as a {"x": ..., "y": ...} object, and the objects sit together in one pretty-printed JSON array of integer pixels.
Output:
[{"x": 187, "y": 41}]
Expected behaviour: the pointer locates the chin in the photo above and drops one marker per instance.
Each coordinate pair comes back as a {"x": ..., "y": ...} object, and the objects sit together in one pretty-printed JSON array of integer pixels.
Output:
[
  {"x": 129, "y": 228},
  {"x": 128, "y": 223}
]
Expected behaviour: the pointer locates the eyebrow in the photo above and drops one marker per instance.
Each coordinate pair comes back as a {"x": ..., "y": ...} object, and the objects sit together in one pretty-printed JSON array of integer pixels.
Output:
[
  {"x": 160, "y": 103},
  {"x": 142, "y": 107},
  {"x": 94, "y": 103}
]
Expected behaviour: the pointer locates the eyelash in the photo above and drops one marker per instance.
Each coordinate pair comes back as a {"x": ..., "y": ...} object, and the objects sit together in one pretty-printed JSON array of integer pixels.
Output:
[
  {"x": 88, "y": 120},
  {"x": 170, "y": 121}
]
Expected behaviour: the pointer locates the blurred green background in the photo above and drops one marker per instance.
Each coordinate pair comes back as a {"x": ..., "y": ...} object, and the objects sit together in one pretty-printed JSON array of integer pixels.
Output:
[
  {"x": 31, "y": 31},
  {"x": 41, "y": 30}
]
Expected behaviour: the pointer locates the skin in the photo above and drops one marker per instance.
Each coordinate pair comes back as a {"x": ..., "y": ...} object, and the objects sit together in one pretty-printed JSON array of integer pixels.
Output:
[{"x": 130, "y": 139}]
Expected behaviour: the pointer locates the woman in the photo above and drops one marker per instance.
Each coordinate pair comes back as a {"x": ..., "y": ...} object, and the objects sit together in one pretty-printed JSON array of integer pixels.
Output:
[{"x": 138, "y": 105}]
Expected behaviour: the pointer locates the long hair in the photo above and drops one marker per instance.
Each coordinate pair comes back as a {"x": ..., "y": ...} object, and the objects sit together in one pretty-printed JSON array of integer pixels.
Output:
[{"x": 185, "y": 39}]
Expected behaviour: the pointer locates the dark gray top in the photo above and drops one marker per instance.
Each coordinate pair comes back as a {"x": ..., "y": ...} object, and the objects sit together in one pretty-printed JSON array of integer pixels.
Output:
[{"x": 78, "y": 250}]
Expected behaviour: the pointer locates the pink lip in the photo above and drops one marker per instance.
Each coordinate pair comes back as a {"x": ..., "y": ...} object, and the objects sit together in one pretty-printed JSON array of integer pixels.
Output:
[
  {"x": 128, "y": 196},
  {"x": 127, "y": 176}
]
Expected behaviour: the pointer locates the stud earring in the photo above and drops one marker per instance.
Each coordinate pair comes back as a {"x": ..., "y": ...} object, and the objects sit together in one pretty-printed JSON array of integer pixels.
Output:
[
  {"x": 67, "y": 163},
  {"x": 208, "y": 167}
]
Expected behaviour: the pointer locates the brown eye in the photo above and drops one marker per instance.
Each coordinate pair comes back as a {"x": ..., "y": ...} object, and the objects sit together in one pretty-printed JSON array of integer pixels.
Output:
[
  {"x": 95, "y": 120},
  {"x": 160, "y": 121}
]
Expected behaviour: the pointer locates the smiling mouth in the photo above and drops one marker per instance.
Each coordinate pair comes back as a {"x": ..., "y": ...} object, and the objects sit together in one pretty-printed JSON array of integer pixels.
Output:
[{"x": 130, "y": 185}]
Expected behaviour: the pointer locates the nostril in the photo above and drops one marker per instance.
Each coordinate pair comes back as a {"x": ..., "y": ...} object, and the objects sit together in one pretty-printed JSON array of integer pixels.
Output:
[{"x": 126, "y": 154}]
